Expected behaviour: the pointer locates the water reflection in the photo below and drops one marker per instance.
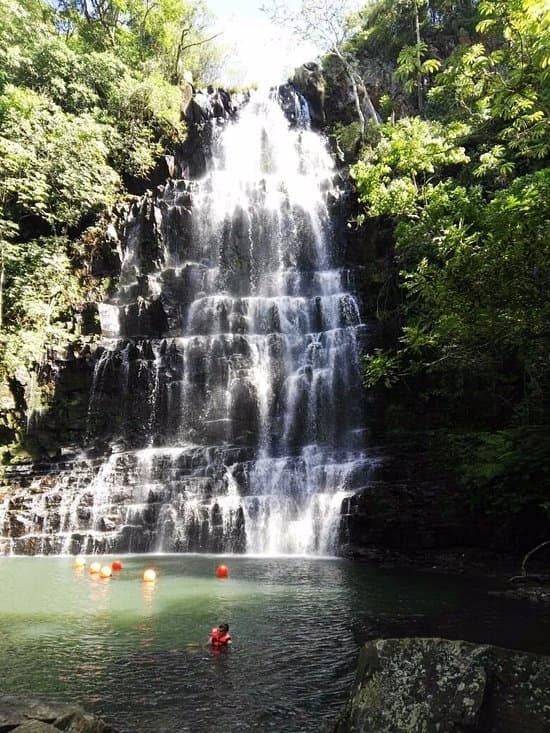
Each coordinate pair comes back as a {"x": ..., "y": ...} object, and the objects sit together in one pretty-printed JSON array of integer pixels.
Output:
[
  {"x": 148, "y": 590},
  {"x": 99, "y": 593}
]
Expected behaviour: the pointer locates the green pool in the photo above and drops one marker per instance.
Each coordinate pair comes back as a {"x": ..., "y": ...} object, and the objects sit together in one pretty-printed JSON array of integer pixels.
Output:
[{"x": 137, "y": 653}]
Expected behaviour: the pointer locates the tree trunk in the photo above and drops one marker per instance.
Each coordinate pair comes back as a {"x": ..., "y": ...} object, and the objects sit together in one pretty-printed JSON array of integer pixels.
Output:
[
  {"x": 182, "y": 48},
  {"x": 2, "y": 275},
  {"x": 175, "y": 73},
  {"x": 418, "y": 58},
  {"x": 370, "y": 107}
]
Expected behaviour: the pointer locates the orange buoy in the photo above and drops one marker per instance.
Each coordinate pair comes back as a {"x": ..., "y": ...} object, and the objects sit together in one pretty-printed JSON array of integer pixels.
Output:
[
  {"x": 149, "y": 575},
  {"x": 95, "y": 567},
  {"x": 116, "y": 565},
  {"x": 79, "y": 561},
  {"x": 222, "y": 571},
  {"x": 106, "y": 571}
]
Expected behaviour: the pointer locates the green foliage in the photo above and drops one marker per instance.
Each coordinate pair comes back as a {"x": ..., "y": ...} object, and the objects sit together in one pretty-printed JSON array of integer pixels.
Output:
[
  {"x": 475, "y": 275},
  {"x": 144, "y": 116},
  {"x": 87, "y": 100},
  {"x": 349, "y": 139},
  {"x": 166, "y": 36},
  {"x": 75, "y": 81},
  {"x": 500, "y": 470},
  {"x": 389, "y": 25},
  {"x": 467, "y": 192},
  {"x": 412, "y": 64},
  {"x": 508, "y": 84},
  {"x": 381, "y": 368},
  {"x": 41, "y": 289},
  {"x": 140, "y": 114},
  {"x": 389, "y": 176},
  {"x": 53, "y": 165},
  {"x": 386, "y": 28}
]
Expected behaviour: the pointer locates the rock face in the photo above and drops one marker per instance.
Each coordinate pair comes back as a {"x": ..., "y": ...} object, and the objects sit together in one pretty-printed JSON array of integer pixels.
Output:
[
  {"x": 339, "y": 102},
  {"x": 408, "y": 507},
  {"x": 24, "y": 715},
  {"x": 442, "y": 686},
  {"x": 203, "y": 110},
  {"x": 209, "y": 104},
  {"x": 309, "y": 81},
  {"x": 407, "y": 516}
]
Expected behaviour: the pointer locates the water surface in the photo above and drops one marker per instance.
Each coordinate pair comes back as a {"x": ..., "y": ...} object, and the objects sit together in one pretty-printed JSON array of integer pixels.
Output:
[{"x": 137, "y": 653}]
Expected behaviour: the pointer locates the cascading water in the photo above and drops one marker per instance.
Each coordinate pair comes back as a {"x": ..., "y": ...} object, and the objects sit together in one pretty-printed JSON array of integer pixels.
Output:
[{"x": 238, "y": 427}]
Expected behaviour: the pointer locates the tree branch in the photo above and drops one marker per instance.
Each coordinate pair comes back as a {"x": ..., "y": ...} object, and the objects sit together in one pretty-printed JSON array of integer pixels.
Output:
[
  {"x": 529, "y": 554},
  {"x": 199, "y": 43},
  {"x": 182, "y": 48}
]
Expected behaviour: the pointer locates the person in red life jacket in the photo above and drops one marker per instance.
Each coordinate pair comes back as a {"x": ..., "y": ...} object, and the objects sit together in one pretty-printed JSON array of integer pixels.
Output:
[{"x": 220, "y": 637}]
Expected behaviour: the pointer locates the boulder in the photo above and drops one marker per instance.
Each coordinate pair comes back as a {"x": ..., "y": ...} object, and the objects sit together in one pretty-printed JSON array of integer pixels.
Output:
[
  {"x": 436, "y": 685},
  {"x": 28, "y": 715},
  {"x": 76, "y": 721},
  {"x": 35, "y": 726},
  {"x": 16, "y": 710}
]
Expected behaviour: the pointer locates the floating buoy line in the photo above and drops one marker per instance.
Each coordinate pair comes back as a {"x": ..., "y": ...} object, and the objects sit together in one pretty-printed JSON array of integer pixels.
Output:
[{"x": 149, "y": 574}]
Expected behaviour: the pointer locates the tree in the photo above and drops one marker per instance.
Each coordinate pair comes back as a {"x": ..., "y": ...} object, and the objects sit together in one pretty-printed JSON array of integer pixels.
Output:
[
  {"x": 328, "y": 25},
  {"x": 153, "y": 31},
  {"x": 504, "y": 80},
  {"x": 412, "y": 68},
  {"x": 53, "y": 165},
  {"x": 411, "y": 37},
  {"x": 8, "y": 231},
  {"x": 411, "y": 61}
]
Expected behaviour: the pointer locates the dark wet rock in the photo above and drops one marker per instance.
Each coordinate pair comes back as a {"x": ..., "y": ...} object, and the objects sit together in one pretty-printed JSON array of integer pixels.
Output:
[
  {"x": 15, "y": 710},
  {"x": 407, "y": 515},
  {"x": 532, "y": 592},
  {"x": 90, "y": 323},
  {"x": 294, "y": 105},
  {"x": 409, "y": 508},
  {"x": 27, "y": 715},
  {"x": 205, "y": 111},
  {"x": 209, "y": 104},
  {"x": 308, "y": 79},
  {"x": 77, "y": 721},
  {"x": 35, "y": 726},
  {"x": 436, "y": 685}
]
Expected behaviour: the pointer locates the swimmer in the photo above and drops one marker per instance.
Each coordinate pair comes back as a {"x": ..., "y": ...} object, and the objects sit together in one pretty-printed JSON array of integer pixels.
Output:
[{"x": 220, "y": 636}]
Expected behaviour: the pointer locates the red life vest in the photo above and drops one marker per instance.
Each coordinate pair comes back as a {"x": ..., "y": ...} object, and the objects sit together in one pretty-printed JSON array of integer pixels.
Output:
[{"x": 219, "y": 638}]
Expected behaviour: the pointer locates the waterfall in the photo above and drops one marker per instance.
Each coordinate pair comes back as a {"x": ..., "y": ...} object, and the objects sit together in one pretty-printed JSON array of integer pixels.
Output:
[{"x": 228, "y": 378}]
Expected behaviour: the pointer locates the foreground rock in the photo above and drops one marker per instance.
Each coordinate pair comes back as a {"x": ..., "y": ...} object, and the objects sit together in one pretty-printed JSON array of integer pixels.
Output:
[
  {"x": 25, "y": 715},
  {"x": 442, "y": 686}
]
